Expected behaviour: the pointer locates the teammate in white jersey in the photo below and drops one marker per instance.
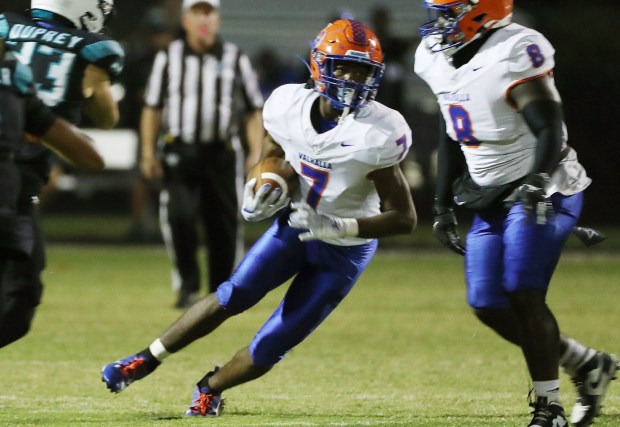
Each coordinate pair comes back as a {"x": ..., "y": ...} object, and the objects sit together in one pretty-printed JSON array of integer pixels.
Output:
[
  {"x": 502, "y": 113},
  {"x": 346, "y": 149}
]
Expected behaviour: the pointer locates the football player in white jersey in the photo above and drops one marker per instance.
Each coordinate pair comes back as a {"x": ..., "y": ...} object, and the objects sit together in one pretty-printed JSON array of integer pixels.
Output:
[
  {"x": 346, "y": 149},
  {"x": 502, "y": 114}
]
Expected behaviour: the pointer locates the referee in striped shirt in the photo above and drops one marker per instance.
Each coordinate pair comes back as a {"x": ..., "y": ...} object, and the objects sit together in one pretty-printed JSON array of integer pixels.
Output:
[{"x": 197, "y": 89}]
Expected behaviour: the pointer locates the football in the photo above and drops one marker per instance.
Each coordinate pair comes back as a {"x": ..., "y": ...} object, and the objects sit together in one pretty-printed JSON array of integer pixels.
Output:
[{"x": 277, "y": 172}]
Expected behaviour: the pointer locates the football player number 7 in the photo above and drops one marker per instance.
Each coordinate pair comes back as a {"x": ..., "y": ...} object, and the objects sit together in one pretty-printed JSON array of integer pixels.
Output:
[{"x": 319, "y": 178}]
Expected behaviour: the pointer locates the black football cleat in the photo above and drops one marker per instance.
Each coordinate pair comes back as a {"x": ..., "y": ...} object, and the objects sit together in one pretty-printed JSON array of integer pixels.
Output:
[{"x": 591, "y": 388}]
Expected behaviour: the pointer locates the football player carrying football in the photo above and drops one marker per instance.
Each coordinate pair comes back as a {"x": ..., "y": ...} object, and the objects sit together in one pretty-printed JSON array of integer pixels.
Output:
[
  {"x": 502, "y": 113},
  {"x": 72, "y": 66},
  {"x": 346, "y": 148}
]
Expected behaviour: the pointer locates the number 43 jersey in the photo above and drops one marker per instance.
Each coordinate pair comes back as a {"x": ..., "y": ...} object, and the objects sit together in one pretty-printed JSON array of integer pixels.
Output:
[
  {"x": 58, "y": 57},
  {"x": 497, "y": 143}
]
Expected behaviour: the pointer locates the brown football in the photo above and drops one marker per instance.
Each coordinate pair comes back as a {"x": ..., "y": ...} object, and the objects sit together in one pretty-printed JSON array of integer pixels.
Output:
[{"x": 277, "y": 172}]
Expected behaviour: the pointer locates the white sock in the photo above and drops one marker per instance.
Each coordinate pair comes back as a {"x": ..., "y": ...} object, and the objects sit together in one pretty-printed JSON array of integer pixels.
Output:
[
  {"x": 158, "y": 350},
  {"x": 576, "y": 355},
  {"x": 549, "y": 389}
]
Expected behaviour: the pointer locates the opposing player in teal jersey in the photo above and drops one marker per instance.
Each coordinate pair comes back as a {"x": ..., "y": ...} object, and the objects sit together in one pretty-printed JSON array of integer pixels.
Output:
[
  {"x": 73, "y": 66},
  {"x": 21, "y": 111}
]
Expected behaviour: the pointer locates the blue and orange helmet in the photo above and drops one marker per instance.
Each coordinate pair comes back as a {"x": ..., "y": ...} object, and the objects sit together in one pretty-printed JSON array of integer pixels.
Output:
[
  {"x": 346, "y": 40},
  {"x": 454, "y": 24}
]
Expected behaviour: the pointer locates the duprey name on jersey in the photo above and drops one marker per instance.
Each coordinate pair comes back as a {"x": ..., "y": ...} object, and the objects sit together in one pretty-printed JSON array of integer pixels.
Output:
[
  {"x": 58, "y": 57},
  {"x": 29, "y": 33},
  {"x": 26, "y": 38}
]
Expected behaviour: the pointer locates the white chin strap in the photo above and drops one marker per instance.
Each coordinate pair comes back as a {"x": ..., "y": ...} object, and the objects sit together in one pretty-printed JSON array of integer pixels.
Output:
[{"x": 348, "y": 98}]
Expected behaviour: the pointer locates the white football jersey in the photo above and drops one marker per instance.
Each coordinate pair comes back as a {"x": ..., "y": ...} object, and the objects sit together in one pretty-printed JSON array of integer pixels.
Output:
[
  {"x": 497, "y": 143},
  {"x": 333, "y": 166}
]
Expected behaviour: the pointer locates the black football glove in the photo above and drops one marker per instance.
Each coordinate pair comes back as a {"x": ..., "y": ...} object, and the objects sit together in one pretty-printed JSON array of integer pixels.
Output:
[
  {"x": 532, "y": 194},
  {"x": 589, "y": 236},
  {"x": 444, "y": 229}
]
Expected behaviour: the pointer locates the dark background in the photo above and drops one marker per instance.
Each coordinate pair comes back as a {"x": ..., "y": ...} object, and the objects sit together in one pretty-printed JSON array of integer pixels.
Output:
[{"x": 587, "y": 41}]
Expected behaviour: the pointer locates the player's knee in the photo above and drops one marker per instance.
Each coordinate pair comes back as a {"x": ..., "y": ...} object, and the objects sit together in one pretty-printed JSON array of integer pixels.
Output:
[
  {"x": 480, "y": 301},
  {"x": 483, "y": 314},
  {"x": 527, "y": 300},
  {"x": 529, "y": 305},
  {"x": 236, "y": 299},
  {"x": 494, "y": 318},
  {"x": 264, "y": 354}
]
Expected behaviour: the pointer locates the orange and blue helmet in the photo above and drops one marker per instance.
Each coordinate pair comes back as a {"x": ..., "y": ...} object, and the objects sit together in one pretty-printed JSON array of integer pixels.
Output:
[
  {"x": 454, "y": 24},
  {"x": 346, "y": 40}
]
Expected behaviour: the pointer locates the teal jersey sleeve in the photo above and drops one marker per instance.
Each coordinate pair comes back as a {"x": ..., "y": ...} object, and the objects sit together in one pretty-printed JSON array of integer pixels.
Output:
[
  {"x": 4, "y": 26},
  {"x": 106, "y": 54}
]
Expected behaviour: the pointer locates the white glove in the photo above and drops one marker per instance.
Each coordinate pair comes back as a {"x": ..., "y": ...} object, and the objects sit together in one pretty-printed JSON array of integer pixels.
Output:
[
  {"x": 320, "y": 226},
  {"x": 258, "y": 206}
]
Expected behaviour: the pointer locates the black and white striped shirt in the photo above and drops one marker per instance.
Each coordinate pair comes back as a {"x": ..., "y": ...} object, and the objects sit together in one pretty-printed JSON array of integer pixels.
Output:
[{"x": 201, "y": 94}]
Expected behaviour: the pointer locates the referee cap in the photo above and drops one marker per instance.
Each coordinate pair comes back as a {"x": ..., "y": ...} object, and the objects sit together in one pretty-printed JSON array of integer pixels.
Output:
[{"x": 188, "y": 4}]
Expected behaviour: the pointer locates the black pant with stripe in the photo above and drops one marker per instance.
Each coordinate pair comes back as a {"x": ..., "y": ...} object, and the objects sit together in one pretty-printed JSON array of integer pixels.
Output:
[{"x": 200, "y": 188}]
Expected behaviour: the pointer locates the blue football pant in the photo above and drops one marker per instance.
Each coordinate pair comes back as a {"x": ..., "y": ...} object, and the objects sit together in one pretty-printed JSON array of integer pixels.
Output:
[
  {"x": 323, "y": 275},
  {"x": 508, "y": 252}
]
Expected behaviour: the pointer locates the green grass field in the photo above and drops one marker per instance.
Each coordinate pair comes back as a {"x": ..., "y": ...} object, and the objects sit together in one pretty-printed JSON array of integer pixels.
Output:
[{"x": 402, "y": 350}]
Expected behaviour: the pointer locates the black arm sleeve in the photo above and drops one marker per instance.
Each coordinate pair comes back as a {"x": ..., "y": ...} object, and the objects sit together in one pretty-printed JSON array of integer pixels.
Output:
[
  {"x": 450, "y": 165},
  {"x": 39, "y": 118},
  {"x": 545, "y": 118}
]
